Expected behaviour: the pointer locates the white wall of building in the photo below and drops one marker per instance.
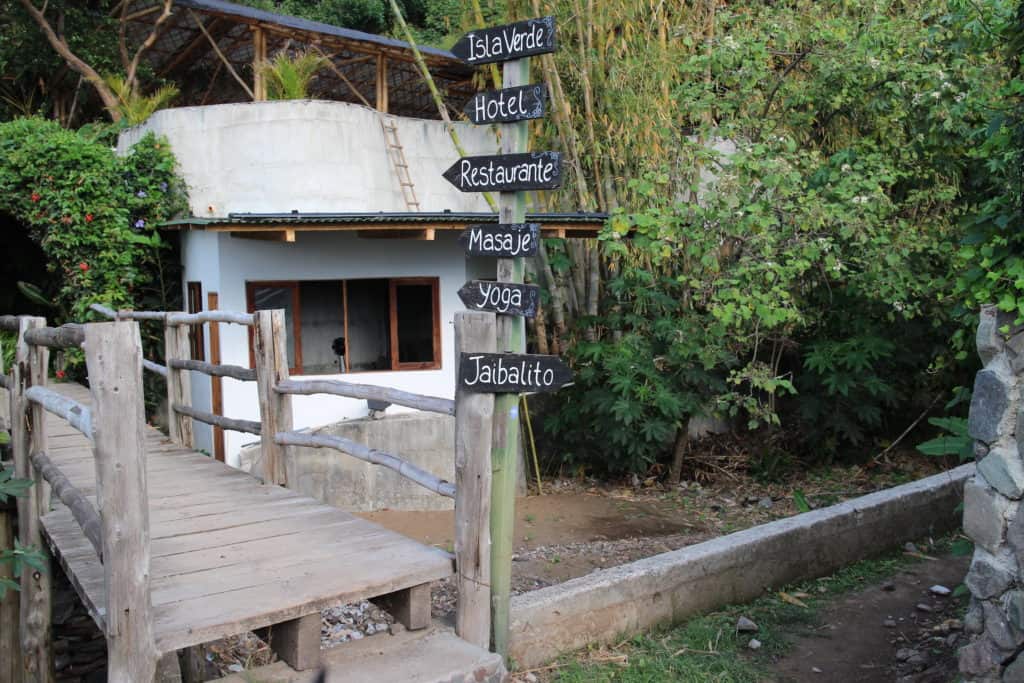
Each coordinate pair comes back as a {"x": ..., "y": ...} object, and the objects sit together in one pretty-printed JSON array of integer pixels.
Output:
[
  {"x": 328, "y": 256},
  {"x": 308, "y": 156}
]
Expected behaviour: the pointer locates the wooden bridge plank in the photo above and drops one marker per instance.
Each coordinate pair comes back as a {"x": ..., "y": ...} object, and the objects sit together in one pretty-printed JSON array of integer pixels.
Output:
[{"x": 228, "y": 553}]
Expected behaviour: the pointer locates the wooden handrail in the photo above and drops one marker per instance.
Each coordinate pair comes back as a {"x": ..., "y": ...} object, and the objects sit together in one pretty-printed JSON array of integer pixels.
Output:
[
  {"x": 176, "y": 318},
  {"x": 335, "y": 387},
  {"x": 81, "y": 509},
  {"x": 221, "y": 370},
  {"x": 233, "y": 424},
  {"x": 370, "y": 455},
  {"x": 67, "y": 336},
  {"x": 77, "y": 415},
  {"x": 154, "y": 367}
]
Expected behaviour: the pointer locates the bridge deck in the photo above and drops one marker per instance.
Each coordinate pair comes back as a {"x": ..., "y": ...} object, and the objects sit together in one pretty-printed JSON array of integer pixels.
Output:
[{"x": 229, "y": 554}]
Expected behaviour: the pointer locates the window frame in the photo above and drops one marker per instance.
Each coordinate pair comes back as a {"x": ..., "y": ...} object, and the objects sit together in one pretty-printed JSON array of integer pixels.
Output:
[
  {"x": 393, "y": 283},
  {"x": 196, "y": 333},
  {"x": 250, "y": 304}
]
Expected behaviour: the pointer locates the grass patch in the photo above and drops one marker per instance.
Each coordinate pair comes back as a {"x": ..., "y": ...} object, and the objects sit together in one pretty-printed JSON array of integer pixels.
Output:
[{"x": 707, "y": 648}]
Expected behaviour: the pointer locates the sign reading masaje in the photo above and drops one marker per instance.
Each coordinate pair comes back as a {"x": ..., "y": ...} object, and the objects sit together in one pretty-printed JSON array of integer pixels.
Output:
[
  {"x": 510, "y": 373},
  {"x": 508, "y": 42},
  {"x": 507, "y": 172},
  {"x": 504, "y": 240}
]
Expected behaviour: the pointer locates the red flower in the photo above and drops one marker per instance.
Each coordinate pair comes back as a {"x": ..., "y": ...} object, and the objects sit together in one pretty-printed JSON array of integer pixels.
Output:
[
  {"x": 60, "y": 374},
  {"x": 88, "y": 218},
  {"x": 36, "y": 197},
  {"x": 83, "y": 266}
]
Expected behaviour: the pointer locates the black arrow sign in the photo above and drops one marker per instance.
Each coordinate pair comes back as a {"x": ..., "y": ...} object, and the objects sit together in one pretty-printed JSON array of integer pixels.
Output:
[
  {"x": 508, "y": 105},
  {"x": 507, "y": 172},
  {"x": 511, "y": 373},
  {"x": 508, "y": 42},
  {"x": 504, "y": 240},
  {"x": 508, "y": 298}
]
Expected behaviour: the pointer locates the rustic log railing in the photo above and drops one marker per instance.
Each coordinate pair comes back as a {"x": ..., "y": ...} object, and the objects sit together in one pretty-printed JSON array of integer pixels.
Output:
[
  {"x": 473, "y": 416},
  {"x": 117, "y": 526}
]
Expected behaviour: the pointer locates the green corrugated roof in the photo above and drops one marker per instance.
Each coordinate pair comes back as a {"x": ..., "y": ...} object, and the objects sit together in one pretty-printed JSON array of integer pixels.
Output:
[{"x": 412, "y": 218}]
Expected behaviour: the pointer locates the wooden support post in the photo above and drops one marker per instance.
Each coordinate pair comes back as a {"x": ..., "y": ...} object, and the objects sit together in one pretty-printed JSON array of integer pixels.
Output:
[
  {"x": 511, "y": 339},
  {"x": 216, "y": 383},
  {"x": 36, "y": 586},
  {"x": 10, "y": 649},
  {"x": 179, "y": 384},
  {"x": 297, "y": 642},
  {"x": 271, "y": 352},
  {"x": 474, "y": 415},
  {"x": 382, "y": 84},
  {"x": 409, "y": 607},
  {"x": 259, "y": 58},
  {"x": 113, "y": 356}
]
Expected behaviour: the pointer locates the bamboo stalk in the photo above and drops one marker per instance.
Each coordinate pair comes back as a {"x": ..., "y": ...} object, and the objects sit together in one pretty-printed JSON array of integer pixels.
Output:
[{"x": 435, "y": 93}]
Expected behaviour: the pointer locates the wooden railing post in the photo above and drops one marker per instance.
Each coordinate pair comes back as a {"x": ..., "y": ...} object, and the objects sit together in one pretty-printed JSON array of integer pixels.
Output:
[
  {"x": 474, "y": 415},
  {"x": 179, "y": 384},
  {"x": 28, "y": 433},
  {"x": 270, "y": 344},
  {"x": 113, "y": 356},
  {"x": 10, "y": 649}
]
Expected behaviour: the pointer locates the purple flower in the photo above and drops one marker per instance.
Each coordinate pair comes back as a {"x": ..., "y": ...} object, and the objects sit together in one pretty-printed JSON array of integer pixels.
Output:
[
  {"x": 140, "y": 194},
  {"x": 141, "y": 223},
  {"x": 163, "y": 187}
]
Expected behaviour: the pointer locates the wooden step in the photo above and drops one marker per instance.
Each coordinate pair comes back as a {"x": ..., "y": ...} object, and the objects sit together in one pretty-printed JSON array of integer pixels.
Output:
[{"x": 433, "y": 656}]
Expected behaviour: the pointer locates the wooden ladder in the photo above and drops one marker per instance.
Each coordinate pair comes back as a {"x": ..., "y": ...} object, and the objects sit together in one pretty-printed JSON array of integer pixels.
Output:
[{"x": 397, "y": 155}]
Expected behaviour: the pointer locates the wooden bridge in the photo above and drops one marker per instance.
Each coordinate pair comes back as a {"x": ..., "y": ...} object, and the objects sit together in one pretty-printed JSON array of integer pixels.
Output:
[{"x": 168, "y": 548}]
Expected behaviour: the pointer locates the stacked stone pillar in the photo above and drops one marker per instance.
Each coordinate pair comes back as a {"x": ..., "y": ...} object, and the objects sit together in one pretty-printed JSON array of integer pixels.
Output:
[{"x": 992, "y": 504}]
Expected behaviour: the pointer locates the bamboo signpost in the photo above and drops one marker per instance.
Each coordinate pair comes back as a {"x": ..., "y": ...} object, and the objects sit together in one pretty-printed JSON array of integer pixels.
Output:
[{"x": 510, "y": 371}]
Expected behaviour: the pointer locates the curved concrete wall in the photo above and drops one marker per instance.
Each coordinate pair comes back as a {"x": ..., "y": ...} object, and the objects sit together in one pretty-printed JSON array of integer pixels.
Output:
[{"x": 308, "y": 156}]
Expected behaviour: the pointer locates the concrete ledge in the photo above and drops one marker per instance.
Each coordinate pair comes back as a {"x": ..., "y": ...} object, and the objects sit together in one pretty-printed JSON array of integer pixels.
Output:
[{"x": 607, "y": 604}]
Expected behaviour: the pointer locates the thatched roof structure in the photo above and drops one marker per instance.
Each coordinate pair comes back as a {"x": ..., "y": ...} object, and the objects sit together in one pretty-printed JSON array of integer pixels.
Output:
[{"x": 209, "y": 48}]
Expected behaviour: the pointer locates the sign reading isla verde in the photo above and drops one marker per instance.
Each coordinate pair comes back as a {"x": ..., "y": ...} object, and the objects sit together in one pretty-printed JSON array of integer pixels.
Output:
[{"x": 505, "y": 43}]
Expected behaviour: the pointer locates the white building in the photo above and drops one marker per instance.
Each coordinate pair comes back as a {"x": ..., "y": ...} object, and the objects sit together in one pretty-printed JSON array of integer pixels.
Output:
[{"x": 301, "y": 205}]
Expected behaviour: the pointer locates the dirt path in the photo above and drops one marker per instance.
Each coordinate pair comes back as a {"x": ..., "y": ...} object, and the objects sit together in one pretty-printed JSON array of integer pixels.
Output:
[{"x": 883, "y": 633}]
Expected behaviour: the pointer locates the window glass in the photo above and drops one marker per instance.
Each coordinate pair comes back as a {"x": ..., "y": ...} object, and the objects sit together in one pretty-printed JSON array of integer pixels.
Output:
[
  {"x": 415, "y": 314},
  {"x": 369, "y": 325},
  {"x": 322, "y": 327},
  {"x": 266, "y": 297}
]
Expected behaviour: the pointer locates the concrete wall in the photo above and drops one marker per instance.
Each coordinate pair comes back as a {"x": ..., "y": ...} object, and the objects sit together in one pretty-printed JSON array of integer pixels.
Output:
[
  {"x": 424, "y": 439},
  {"x": 610, "y": 604},
  {"x": 992, "y": 506},
  {"x": 309, "y": 156}
]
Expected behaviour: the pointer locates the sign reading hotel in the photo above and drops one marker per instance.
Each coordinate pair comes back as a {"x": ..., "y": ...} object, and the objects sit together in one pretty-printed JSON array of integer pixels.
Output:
[
  {"x": 504, "y": 240},
  {"x": 507, "y": 106},
  {"x": 508, "y": 42},
  {"x": 512, "y": 373},
  {"x": 507, "y": 298},
  {"x": 507, "y": 172}
]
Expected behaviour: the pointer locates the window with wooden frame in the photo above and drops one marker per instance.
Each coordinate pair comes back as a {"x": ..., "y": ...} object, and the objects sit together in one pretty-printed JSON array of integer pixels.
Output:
[
  {"x": 363, "y": 325},
  {"x": 196, "y": 340}
]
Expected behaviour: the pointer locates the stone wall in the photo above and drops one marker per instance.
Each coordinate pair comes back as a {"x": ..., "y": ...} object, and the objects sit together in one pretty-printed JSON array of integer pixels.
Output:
[{"x": 992, "y": 516}]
